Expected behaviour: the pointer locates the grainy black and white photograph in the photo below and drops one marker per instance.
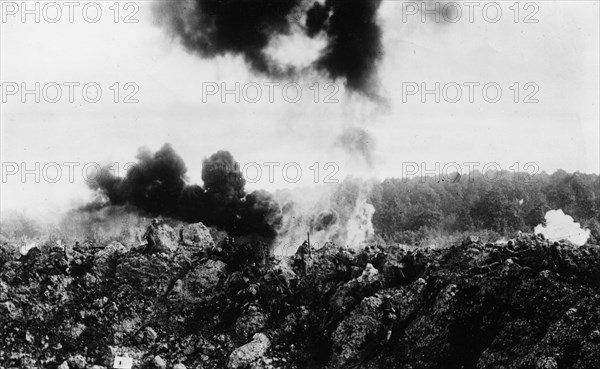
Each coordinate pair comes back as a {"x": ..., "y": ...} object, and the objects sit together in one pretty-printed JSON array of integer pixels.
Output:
[{"x": 299, "y": 184}]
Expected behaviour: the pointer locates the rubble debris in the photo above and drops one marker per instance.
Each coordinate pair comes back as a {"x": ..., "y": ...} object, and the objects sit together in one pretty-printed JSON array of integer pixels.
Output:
[
  {"x": 524, "y": 303},
  {"x": 252, "y": 351}
]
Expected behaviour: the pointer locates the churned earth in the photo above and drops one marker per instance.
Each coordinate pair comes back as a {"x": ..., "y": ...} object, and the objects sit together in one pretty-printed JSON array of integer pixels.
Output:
[{"x": 525, "y": 304}]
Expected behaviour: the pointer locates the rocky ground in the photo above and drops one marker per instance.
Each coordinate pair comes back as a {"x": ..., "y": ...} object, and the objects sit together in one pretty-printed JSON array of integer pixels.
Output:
[{"x": 528, "y": 304}]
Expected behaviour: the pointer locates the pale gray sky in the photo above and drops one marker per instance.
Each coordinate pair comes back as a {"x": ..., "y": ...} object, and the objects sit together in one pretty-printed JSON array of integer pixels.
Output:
[{"x": 558, "y": 56}]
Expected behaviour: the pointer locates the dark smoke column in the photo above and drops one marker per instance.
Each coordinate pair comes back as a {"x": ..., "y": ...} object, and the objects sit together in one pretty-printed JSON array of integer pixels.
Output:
[{"x": 227, "y": 203}]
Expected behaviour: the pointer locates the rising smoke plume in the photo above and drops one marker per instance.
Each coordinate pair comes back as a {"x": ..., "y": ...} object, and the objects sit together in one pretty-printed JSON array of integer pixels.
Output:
[
  {"x": 337, "y": 214},
  {"x": 157, "y": 185},
  {"x": 213, "y": 28}
]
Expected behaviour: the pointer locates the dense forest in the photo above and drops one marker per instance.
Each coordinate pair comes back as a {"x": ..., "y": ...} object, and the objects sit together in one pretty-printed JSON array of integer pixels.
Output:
[{"x": 502, "y": 202}]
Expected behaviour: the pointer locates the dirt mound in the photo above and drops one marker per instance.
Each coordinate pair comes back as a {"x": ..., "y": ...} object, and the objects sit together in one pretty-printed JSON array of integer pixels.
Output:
[{"x": 528, "y": 303}]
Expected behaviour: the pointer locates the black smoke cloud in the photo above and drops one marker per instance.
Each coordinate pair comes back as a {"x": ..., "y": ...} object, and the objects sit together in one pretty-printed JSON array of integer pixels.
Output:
[
  {"x": 157, "y": 185},
  {"x": 354, "y": 40},
  {"x": 245, "y": 27},
  {"x": 218, "y": 27}
]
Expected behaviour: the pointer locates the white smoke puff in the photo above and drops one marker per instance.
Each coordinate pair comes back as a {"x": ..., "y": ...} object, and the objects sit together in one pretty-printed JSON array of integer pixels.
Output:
[{"x": 560, "y": 226}]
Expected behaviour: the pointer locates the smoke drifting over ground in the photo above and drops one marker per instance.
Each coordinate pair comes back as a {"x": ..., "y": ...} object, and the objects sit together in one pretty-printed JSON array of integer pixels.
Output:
[
  {"x": 246, "y": 28},
  {"x": 355, "y": 40},
  {"x": 157, "y": 186}
]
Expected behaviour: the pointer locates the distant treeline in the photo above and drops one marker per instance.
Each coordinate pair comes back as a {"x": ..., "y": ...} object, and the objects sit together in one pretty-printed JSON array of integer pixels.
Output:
[
  {"x": 421, "y": 210},
  {"x": 502, "y": 202}
]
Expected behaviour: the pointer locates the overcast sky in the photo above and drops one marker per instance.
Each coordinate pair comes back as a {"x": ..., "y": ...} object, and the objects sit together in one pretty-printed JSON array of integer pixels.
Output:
[{"x": 554, "y": 61}]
